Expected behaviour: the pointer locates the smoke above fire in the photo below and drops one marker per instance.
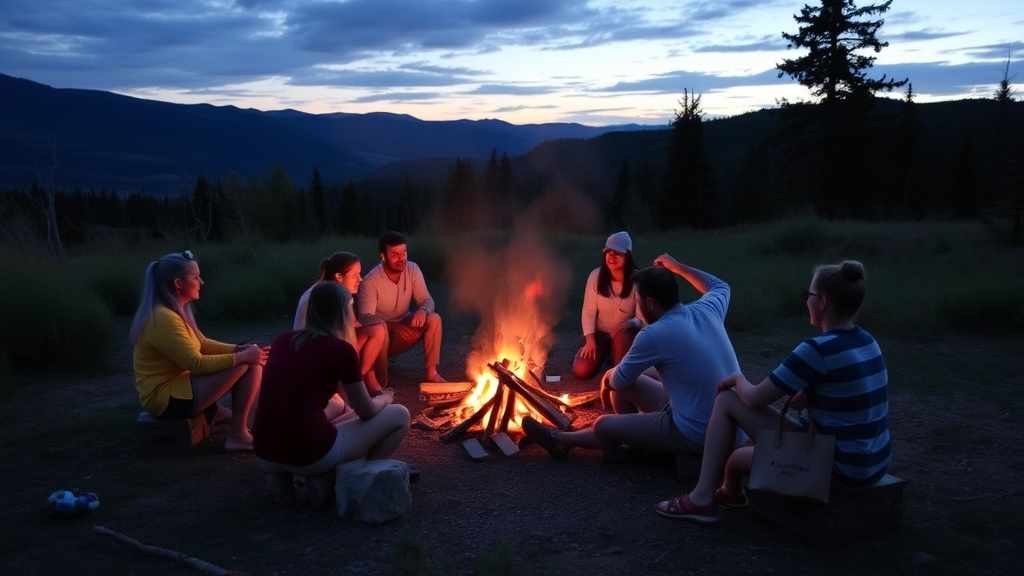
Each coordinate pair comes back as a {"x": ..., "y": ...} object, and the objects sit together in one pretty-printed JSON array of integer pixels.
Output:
[{"x": 518, "y": 287}]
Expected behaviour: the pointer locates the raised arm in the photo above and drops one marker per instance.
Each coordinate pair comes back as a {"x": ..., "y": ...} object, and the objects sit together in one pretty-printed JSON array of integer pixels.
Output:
[{"x": 700, "y": 280}]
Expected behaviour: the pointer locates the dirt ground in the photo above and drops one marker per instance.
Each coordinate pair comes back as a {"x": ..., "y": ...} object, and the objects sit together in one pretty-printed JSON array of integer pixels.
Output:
[{"x": 955, "y": 418}]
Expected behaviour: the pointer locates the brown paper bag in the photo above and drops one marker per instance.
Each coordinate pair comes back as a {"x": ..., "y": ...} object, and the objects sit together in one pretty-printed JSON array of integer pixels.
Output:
[{"x": 797, "y": 464}]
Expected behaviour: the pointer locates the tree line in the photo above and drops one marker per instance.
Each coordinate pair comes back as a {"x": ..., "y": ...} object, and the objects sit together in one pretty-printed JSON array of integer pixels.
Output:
[{"x": 847, "y": 155}]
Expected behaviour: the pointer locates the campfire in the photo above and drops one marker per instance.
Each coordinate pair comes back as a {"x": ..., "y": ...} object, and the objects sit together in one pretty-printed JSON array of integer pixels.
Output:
[{"x": 518, "y": 292}]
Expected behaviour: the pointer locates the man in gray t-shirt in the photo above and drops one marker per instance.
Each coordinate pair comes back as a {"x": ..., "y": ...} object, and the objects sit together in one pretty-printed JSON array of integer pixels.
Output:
[
  {"x": 387, "y": 295},
  {"x": 663, "y": 390}
]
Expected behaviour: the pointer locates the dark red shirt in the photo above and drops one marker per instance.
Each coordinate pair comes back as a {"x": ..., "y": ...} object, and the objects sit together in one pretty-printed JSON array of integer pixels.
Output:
[{"x": 291, "y": 427}]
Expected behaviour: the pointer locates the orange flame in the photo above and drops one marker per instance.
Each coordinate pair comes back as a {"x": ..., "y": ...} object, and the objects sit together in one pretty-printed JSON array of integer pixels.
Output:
[{"x": 519, "y": 293}]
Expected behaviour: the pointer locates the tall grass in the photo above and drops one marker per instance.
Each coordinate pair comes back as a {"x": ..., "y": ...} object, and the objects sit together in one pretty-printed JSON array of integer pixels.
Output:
[
  {"x": 52, "y": 320},
  {"x": 923, "y": 279}
]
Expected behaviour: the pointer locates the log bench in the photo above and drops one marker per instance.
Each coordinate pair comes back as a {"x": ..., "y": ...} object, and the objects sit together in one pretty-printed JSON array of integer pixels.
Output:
[
  {"x": 849, "y": 514},
  {"x": 169, "y": 437}
]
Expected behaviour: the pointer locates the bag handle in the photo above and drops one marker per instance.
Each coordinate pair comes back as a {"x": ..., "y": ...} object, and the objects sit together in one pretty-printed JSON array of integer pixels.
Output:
[{"x": 782, "y": 422}]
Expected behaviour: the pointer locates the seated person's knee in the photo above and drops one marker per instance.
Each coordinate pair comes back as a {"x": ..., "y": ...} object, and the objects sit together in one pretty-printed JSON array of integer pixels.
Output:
[{"x": 605, "y": 430}]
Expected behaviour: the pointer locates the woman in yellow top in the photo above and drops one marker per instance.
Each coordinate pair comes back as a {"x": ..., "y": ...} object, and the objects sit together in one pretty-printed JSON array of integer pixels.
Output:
[{"x": 179, "y": 372}]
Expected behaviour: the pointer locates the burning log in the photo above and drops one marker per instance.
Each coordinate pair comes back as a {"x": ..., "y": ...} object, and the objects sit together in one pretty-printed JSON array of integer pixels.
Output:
[
  {"x": 537, "y": 399},
  {"x": 468, "y": 423},
  {"x": 499, "y": 397},
  {"x": 500, "y": 408}
]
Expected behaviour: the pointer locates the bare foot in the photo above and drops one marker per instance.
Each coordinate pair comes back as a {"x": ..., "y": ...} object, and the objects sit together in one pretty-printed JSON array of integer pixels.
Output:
[
  {"x": 235, "y": 444},
  {"x": 436, "y": 378}
]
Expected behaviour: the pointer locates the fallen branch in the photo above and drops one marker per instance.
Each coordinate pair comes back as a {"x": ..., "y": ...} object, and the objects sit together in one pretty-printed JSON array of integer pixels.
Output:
[{"x": 178, "y": 557}]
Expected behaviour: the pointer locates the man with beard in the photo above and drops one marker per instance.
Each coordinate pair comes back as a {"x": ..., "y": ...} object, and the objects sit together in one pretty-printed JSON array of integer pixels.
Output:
[
  {"x": 664, "y": 388},
  {"x": 388, "y": 294}
]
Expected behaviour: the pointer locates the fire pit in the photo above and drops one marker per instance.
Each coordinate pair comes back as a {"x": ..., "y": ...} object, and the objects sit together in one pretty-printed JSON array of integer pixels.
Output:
[
  {"x": 502, "y": 406},
  {"x": 519, "y": 293}
]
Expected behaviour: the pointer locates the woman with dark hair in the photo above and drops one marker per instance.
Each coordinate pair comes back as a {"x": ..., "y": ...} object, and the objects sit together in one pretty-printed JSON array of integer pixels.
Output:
[
  {"x": 371, "y": 339},
  {"x": 179, "y": 372},
  {"x": 293, "y": 434},
  {"x": 844, "y": 380},
  {"x": 611, "y": 311}
]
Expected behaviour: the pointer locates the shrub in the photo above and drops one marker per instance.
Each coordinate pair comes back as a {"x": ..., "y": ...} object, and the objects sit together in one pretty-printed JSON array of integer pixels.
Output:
[
  {"x": 799, "y": 238},
  {"x": 119, "y": 289},
  {"x": 988, "y": 310},
  {"x": 53, "y": 324}
]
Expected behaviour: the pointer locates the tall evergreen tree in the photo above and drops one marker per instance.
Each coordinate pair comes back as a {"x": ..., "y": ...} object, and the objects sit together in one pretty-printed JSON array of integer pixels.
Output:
[
  {"x": 620, "y": 197},
  {"x": 688, "y": 195},
  {"x": 348, "y": 209},
  {"x": 319, "y": 202},
  {"x": 409, "y": 208},
  {"x": 835, "y": 140},
  {"x": 833, "y": 35}
]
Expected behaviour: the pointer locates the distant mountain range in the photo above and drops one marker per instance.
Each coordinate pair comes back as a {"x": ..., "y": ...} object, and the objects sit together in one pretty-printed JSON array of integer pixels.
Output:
[{"x": 91, "y": 139}]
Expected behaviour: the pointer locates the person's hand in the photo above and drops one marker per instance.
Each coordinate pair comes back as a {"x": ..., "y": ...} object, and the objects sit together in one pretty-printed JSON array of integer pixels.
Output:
[
  {"x": 251, "y": 354},
  {"x": 798, "y": 401},
  {"x": 589, "y": 350},
  {"x": 729, "y": 382},
  {"x": 419, "y": 317},
  {"x": 606, "y": 389},
  {"x": 667, "y": 261}
]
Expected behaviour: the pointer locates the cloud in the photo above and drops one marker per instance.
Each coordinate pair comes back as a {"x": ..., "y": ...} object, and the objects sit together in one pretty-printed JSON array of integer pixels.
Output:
[
  {"x": 763, "y": 44},
  {"x": 919, "y": 36},
  {"x": 401, "y": 97},
  {"x": 698, "y": 82},
  {"x": 512, "y": 89}
]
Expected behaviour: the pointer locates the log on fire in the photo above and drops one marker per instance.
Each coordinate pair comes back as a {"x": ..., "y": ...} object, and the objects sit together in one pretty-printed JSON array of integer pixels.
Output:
[{"x": 535, "y": 398}]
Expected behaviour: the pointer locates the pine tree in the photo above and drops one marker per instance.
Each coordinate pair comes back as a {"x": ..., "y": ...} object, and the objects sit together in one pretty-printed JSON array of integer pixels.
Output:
[
  {"x": 319, "y": 201},
  {"x": 688, "y": 196},
  {"x": 833, "y": 34}
]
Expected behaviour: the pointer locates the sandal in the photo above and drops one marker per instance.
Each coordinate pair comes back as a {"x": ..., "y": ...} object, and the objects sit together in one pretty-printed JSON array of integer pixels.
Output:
[
  {"x": 725, "y": 498},
  {"x": 681, "y": 507}
]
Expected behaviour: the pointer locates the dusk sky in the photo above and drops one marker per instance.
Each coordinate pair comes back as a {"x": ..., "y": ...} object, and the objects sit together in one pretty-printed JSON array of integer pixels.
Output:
[{"x": 522, "y": 61}]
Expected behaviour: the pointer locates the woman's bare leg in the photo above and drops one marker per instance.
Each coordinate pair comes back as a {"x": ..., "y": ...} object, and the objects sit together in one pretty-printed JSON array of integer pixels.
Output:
[
  {"x": 370, "y": 340},
  {"x": 243, "y": 381},
  {"x": 376, "y": 438},
  {"x": 728, "y": 414}
]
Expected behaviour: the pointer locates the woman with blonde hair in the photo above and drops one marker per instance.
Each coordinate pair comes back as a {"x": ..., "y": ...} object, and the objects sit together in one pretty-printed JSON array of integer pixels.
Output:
[
  {"x": 179, "y": 372},
  {"x": 306, "y": 367}
]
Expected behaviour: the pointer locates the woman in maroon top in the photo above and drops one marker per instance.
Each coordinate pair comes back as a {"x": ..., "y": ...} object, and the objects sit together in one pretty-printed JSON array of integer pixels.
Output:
[{"x": 291, "y": 433}]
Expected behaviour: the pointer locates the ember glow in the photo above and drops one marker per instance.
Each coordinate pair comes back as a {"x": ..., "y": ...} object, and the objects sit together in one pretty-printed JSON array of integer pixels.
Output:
[{"x": 519, "y": 291}]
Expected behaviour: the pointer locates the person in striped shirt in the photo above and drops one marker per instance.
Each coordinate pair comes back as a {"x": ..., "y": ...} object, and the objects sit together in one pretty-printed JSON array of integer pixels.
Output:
[{"x": 843, "y": 378}]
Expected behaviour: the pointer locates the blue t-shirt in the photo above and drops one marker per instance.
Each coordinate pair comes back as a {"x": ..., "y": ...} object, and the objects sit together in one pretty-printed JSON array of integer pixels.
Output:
[
  {"x": 845, "y": 381},
  {"x": 692, "y": 353}
]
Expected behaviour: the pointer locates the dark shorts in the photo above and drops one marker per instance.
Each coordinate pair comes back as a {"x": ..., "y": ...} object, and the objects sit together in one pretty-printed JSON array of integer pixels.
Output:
[{"x": 177, "y": 409}]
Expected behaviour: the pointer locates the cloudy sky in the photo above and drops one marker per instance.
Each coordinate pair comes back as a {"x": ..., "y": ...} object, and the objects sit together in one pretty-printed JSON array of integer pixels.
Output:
[{"x": 595, "y": 62}]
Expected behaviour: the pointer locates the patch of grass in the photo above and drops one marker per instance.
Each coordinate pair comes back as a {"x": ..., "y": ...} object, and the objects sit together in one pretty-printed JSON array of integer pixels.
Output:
[
  {"x": 51, "y": 321},
  {"x": 504, "y": 560},
  {"x": 924, "y": 279},
  {"x": 410, "y": 556},
  {"x": 986, "y": 310}
]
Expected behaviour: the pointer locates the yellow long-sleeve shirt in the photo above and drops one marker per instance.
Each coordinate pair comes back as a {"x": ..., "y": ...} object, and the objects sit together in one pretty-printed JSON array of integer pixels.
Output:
[{"x": 168, "y": 353}]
